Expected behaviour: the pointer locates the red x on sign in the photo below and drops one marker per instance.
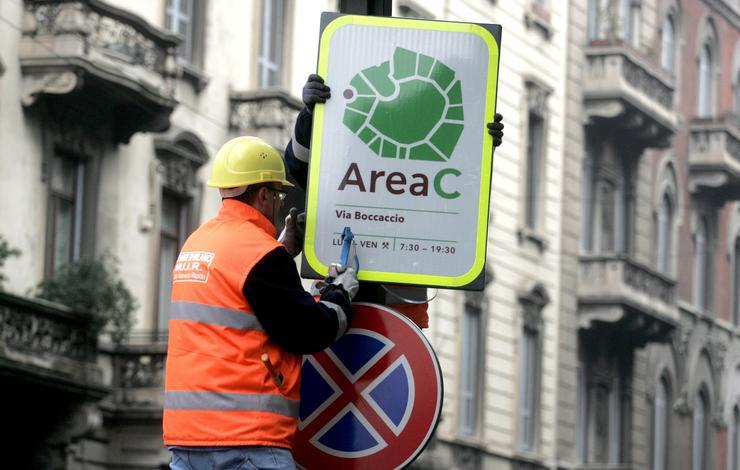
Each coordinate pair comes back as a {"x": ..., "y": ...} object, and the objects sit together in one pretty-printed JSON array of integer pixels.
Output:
[{"x": 372, "y": 399}]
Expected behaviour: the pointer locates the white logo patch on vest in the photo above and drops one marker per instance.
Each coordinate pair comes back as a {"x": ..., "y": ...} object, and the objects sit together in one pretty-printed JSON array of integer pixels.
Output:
[{"x": 193, "y": 266}]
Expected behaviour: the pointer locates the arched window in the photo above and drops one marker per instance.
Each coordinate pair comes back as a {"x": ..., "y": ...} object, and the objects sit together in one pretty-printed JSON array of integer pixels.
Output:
[
  {"x": 660, "y": 425},
  {"x": 701, "y": 260},
  {"x": 178, "y": 160},
  {"x": 664, "y": 238},
  {"x": 699, "y": 430},
  {"x": 705, "y": 81},
  {"x": 667, "y": 46}
]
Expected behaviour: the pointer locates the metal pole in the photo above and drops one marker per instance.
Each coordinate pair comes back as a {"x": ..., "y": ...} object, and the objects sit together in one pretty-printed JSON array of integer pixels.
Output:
[{"x": 366, "y": 7}]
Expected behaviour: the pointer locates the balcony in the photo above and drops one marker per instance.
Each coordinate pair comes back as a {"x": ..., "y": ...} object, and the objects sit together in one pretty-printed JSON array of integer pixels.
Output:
[
  {"x": 624, "y": 93},
  {"x": 714, "y": 158},
  {"x": 269, "y": 114},
  {"x": 46, "y": 345},
  {"x": 80, "y": 55},
  {"x": 138, "y": 378},
  {"x": 622, "y": 297}
]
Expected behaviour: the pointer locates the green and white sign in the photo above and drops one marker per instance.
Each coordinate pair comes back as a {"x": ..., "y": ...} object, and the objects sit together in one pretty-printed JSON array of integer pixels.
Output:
[{"x": 400, "y": 153}]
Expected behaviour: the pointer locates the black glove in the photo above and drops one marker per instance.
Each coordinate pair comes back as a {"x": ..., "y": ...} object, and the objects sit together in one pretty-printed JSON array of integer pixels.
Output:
[
  {"x": 495, "y": 128},
  {"x": 314, "y": 91},
  {"x": 300, "y": 228}
]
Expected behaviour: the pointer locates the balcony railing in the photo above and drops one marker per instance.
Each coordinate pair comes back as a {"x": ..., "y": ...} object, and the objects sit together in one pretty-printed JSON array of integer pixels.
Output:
[
  {"x": 269, "y": 114},
  {"x": 93, "y": 53},
  {"x": 714, "y": 158},
  {"x": 138, "y": 377},
  {"x": 47, "y": 342},
  {"x": 626, "y": 297},
  {"x": 623, "y": 91}
]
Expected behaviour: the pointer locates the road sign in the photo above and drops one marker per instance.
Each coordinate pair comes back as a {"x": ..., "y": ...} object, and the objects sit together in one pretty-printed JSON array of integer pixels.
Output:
[
  {"x": 372, "y": 399},
  {"x": 400, "y": 153}
]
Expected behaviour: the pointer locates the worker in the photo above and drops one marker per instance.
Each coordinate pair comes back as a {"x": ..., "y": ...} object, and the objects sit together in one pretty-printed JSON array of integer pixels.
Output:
[
  {"x": 240, "y": 321},
  {"x": 408, "y": 300}
]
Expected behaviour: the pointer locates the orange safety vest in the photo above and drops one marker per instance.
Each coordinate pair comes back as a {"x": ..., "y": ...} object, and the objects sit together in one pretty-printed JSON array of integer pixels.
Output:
[{"x": 218, "y": 392}]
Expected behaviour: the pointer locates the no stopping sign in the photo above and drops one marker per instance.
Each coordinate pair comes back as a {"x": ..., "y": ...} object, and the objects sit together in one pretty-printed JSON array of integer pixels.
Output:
[{"x": 372, "y": 399}]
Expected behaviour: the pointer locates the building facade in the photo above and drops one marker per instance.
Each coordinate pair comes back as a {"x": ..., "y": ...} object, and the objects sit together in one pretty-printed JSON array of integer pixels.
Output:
[
  {"x": 498, "y": 348},
  {"x": 110, "y": 114},
  {"x": 608, "y": 333},
  {"x": 650, "y": 278}
]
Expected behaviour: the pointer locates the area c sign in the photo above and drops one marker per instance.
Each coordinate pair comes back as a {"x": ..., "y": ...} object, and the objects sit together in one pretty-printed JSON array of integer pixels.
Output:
[{"x": 400, "y": 153}]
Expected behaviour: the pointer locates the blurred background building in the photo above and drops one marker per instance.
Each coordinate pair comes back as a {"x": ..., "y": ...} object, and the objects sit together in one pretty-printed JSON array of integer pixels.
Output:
[{"x": 608, "y": 336}]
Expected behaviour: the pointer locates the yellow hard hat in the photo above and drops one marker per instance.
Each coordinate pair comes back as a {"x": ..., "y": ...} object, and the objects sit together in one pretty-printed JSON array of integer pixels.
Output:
[{"x": 244, "y": 161}]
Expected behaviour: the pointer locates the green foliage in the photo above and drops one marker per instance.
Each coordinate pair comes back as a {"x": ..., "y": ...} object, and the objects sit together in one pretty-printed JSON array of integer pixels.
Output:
[
  {"x": 6, "y": 251},
  {"x": 93, "y": 285}
]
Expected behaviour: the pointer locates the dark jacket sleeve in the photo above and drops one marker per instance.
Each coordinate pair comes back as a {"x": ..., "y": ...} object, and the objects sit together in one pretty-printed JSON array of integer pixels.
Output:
[
  {"x": 290, "y": 315},
  {"x": 297, "y": 151}
]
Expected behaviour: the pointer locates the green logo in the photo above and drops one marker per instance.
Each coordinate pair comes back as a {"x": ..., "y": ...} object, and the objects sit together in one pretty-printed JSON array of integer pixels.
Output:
[{"x": 408, "y": 108}]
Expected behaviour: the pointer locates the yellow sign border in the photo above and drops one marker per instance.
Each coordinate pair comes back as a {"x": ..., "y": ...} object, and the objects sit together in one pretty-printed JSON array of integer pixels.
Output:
[{"x": 486, "y": 158}]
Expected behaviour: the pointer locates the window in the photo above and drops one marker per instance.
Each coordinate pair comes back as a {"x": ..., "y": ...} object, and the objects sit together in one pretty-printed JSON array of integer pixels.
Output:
[
  {"x": 630, "y": 15},
  {"x": 178, "y": 160},
  {"x": 606, "y": 216},
  {"x": 734, "y": 437},
  {"x": 172, "y": 234},
  {"x": 271, "y": 43},
  {"x": 667, "y": 46},
  {"x": 616, "y": 413},
  {"x": 582, "y": 424},
  {"x": 705, "y": 82},
  {"x": 187, "y": 18},
  {"x": 701, "y": 264},
  {"x": 529, "y": 366},
  {"x": 528, "y": 388},
  {"x": 736, "y": 282},
  {"x": 624, "y": 19},
  {"x": 536, "y": 124},
  {"x": 180, "y": 20},
  {"x": 607, "y": 202},
  {"x": 587, "y": 181},
  {"x": 665, "y": 230},
  {"x": 594, "y": 17},
  {"x": 534, "y": 168},
  {"x": 470, "y": 367},
  {"x": 699, "y": 430},
  {"x": 604, "y": 405},
  {"x": 660, "y": 425},
  {"x": 65, "y": 206}
]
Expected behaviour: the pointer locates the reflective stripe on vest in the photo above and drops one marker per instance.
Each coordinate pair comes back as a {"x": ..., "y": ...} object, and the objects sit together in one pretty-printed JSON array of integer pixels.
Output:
[
  {"x": 213, "y": 315},
  {"x": 180, "y": 400}
]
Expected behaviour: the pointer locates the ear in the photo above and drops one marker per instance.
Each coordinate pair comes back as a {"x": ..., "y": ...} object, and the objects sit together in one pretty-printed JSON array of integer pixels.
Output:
[{"x": 263, "y": 194}]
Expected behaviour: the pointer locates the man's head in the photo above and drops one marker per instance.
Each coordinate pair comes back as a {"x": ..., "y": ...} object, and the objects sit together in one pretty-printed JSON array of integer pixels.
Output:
[{"x": 251, "y": 170}]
